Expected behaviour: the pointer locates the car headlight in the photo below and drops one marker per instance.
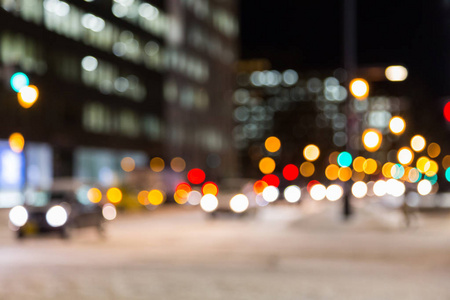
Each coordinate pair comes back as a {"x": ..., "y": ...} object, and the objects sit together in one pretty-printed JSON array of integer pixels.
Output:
[
  {"x": 209, "y": 203},
  {"x": 18, "y": 216},
  {"x": 56, "y": 216},
  {"x": 239, "y": 203}
]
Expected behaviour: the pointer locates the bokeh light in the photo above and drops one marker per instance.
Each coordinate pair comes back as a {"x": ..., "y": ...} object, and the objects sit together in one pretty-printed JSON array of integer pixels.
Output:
[
  {"x": 127, "y": 164},
  {"x": 370, "y": 166},
  {"x": 359, "y": 189},
  {"x": 27, "y": 96},
  {"x": 194, "y": 198},
  {"x": 114, "y": 195},
  {"x": 405, "y": 156},
  {"x": 94, "y": 195},
  {"x": 332, "y": 172},
  {"x": 239, "y": 203},
  {"x": 359, "y": 88},
  {"x": 434, "y": 150},
  {"x": 380, "y": 188},
  {"x": 418, "y": 143},
  {"x": 446, "y": 162},
  {"x": 272, "y": 144},
  {"x": 143, "y": 198},
  {"x": 272, "y": 179},
  {"x": 196, "y": 176},
  {"x": 397, "y": 171},
  {"x": 447, "y": 111},
  {"x": 18, "y": 216},
  {"x": 18, "y": 81},
  {"x": 424, "y": 187},
  {"x": 307, "y": 169},
  {"x": 395, "y": 188},
  {"x": 290, "y": 172},
  {"x": 372, "y": 139},
  {"x": 16, "y": 142},
  {"x": 358, "y": 164},
  {"x": 318, "y": 192},
  {"x": 421, "y": 164},
  {"x": 397, "y": 125},
  {"x": 157, "y": 164},
  {"x": 345, "y": 174},
  {"x": 396, "y": 73},
  {"x": 358, "y": 176},
  {"x": 209, "y": 203},
  {"x": 447, "y": 174},
  {"x": 431, "y": 168},
  {"x": 292, "y": 193},
  {"x": 210, "y": 188},
  {"x": 270, "y": 193},
  {"x": 386, "y": 169},
  {"x": 332, "y": 158},
  {"x": 267, "y": 165},
  {"x": 311, "y": 152},
  {"x": 259, "y": 186},
  {"x": 182, "y": 190},
  {"x": 344, "y": 159},
  {"x": 156, "y": 197},
  {"x": 414, "y": 175},
  {"x": 334, "y": 192},
  {"x": 109, "y": 212},
  {"x": 178, "y": 164}
]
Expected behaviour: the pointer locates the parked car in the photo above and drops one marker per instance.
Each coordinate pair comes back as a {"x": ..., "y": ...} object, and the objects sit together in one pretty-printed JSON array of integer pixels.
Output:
[{"x": 61, "y": 209}]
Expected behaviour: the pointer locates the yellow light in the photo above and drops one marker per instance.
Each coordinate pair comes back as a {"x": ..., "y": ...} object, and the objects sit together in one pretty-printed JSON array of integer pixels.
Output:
[
  {"x": 114, "y": 195},
  {"x": 372, "y": 139},
  {"x": 178, "y": 164},
  {"x": 27, "y": 96},
  {"x": 272, "y": 144},
  {"x": 16, "y": 142},
  {"x": 210, "y": 188},
  {"x": 370, "y": 166},
  {"x": 157, "y": 164},
  {"x": 434, "y": 150},
  {"x": 405, "y": 156},
  {"x": 156, "y": 197},
  {"x": 267, "y": 165},
  {"x": 311, "y": 152},
  {"x": 396, "y": 73},
  {"x": 345, "y": 174},
  {"x": 446, "y": 162},
  {"x": 431, "y": 168},
  {"x": 418, "y": 143},
  {"x": 358, "y": 164},
  {"x": 143, "y": 198},
  {"x": 127, "y": 164},
  {"x": 397, "y": 125},
  {"x": 421, "y": 164},
  {"x": 386, "y": 170},
  {"x": 332, "y": 172},
  {"x": 94, "y": 195},
  {"x": 307, "y": 169},
  {"x": 359, "y": 88}
]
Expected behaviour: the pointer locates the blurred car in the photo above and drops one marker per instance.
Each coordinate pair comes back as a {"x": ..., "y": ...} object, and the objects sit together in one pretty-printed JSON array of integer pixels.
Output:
[
  {"x": 63, "y": 208},
  {"x": 235, "y": 197}
]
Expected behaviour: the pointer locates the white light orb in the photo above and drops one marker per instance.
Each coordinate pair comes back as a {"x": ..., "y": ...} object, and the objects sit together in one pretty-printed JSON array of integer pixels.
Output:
[
  {"x": 109, "y": 211},
  {"x": 380, "y": 188},
  {"x": 292, "y": 194},
  {"x": 270, "y": 193},
  {"x": 18, "y": 216},
  {"x": 209, "y": 203},
  {"x": 359, "y": 189},
  {"x": 334, "y": 192},
  {"x": 56, "y": 216},
  {"x": 396, "y": 73},
  {"x": 239, "y": 203},
  {"x": 424, "y": 187},
  {"x": 318, "y": 192}
]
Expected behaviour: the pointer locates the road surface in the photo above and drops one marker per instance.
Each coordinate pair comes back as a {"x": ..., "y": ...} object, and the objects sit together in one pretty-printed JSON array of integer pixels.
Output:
[{"x": 285, "y": 252}]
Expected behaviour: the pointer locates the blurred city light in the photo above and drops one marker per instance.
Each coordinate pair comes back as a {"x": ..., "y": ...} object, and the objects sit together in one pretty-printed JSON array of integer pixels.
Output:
[
  {"x": 318, "y": 192},
  {"x": 424, "y": 187},
  {"x": 380, "y": 188},
  {"x": 434, "y": 150},
  {"x": 447, "y": 111},
  {"x": 127, "y": 164},
  {"x": 290, "y": 172},
  {"x": 396, "y": 73},
  {"x": 418, "y": 143},
  {"x": 397, "y": 171},
  {"x": 210, "y": 188},
  {"x": 397, "y": 125},
  {"x": 27, "y": 96},
  {"x": 109, "y": 212},
  {"x": 114, "y": 195},
  {"x": 239, "y": 203},
  {"x": 307, "y": 169},
  {"x": 344, "y": 159},
  {"x": 414, "y": 175},
  {"x": 359, "y": 88},
  {"x": 194, "y": 198},
  {"x": 422, "y": 163},
  {"x": 196, "y": 176},
  {"x": 271, "y": 193},
  {"x": 372, "y": 139},
  {"x": 359, "y": 189},
  {"x": 178, "y": 164},
  {"x": 431, "y": 168},
  {"x": 156, "y": 197},
  {"x": 446, "y": 162},
  {"x": 395, "y": 187},
  {"x": 18, "y": 216},
  {"x": 143, "y": 198},
  {"x": 18, "y": 81},
  {"x": 272, "y": 144},
  {"x": 259, "y": 186},
  {"x": 157, "y": 164},
  {"x": 292, "y": 193},
  {"x": 311, "y": 152},
  {"x": 209, "y": 203},
  {"x": 267, "y": 165},
  {"x": 56, "y": 216},
  {"x": 358, "y": 164},
  {"x": 271, "y": 179},
  {"x": 334, "y": 192},
  {"x": 16, "y": 142},
  {"x": 345, "y": 174},
  {"x": 332, "y": 172},
  {"x": 405, "y": 156},
  {"x": 182, "y": 190},
  {"x": 94, "y": 195},
  {"x": 447, "y": 174}
]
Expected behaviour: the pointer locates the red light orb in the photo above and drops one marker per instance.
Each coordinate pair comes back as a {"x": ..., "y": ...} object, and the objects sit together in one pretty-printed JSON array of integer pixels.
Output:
[
  {"x": 271, "y": 179},
  {"x": 447, "y": 111},
  {"x": 259, "y": 186},
  {"x": 311, "y": 184},
  {"x": 290, "y": 172},
  {"x": 183, "y": 189},
  {"x": 196, "y": 176},
  {"x": 210, "y": 188}
]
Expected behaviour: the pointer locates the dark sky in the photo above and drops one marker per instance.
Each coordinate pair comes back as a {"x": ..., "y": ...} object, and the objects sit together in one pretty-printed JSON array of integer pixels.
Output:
[{"x": 308, "y": 33}]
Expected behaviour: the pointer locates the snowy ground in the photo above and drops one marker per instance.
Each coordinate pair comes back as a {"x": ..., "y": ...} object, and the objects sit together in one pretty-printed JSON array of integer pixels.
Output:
[{"x": 284, "y": 253}]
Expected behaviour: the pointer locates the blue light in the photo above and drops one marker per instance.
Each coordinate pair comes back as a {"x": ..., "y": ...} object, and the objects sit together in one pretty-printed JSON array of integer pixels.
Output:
[
  {"x": 345, "y": 159},
  {"x": 433, "y": 179},
  {"x": 18, "y": 81},
  {"x": 397, "y": 171},
  {"x": 447, "y": 174}
]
